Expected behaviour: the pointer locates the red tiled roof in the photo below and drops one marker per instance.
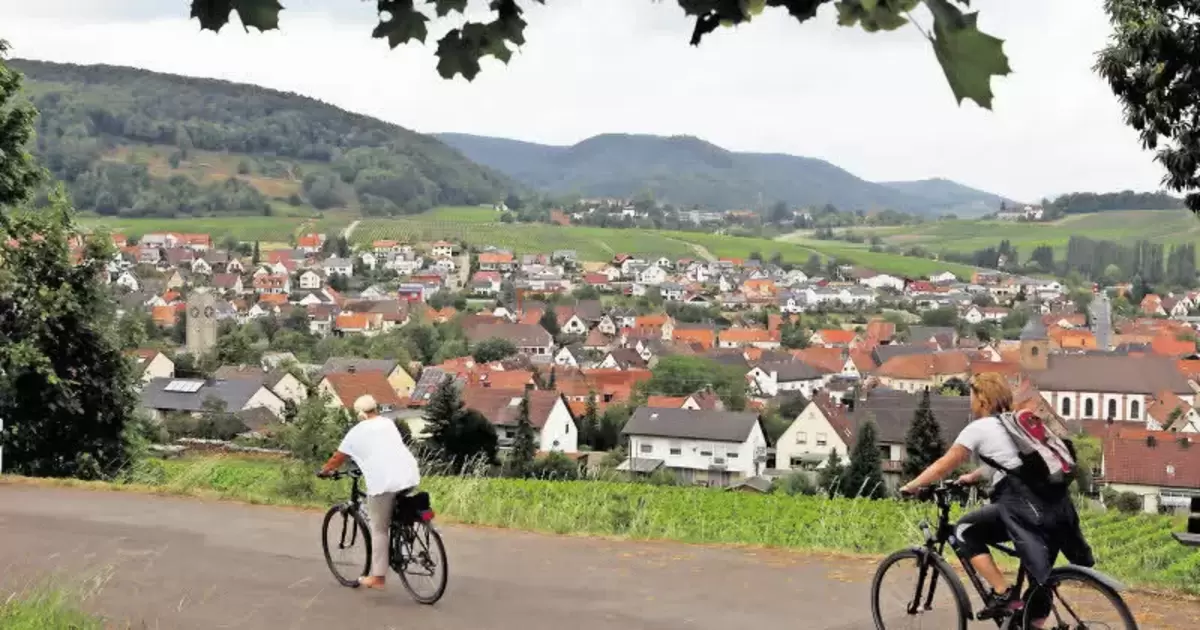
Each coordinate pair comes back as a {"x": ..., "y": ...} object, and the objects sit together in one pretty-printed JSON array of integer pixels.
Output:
[
  {"x": 1166, "y": 464},
  {"x": 1168, "y": 344},
  {"x": 827, "y": 359},
  {"x": 502, "y": 406},
  {"x": 349, "y": 386},
  {"x": 669, "y": 402},
  {"x": 748, "y": 335},
  {"x": 924, "y": 366},
  {"x": 836, "y": 335}
]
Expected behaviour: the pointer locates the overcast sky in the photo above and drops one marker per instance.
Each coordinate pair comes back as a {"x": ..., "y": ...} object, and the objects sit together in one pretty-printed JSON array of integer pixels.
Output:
[{"x": 876, "y": 105}]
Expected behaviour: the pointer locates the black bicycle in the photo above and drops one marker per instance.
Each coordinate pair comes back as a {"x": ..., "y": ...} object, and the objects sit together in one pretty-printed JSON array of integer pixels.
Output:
[
  {"x": 920, "y": 571},
  {"x": 416, "y": 551}
]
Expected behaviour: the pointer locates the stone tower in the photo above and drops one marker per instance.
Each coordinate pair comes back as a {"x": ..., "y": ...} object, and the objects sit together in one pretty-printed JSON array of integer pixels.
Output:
[
  {"x": 201, "y": 322},
  {"x": 1035, "y": 344}
]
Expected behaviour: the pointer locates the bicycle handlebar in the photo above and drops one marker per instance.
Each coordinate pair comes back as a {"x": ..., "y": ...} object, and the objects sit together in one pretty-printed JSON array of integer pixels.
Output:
[
  {"x": 942, "y": 489},
  {"x": 339, "y": 474}
]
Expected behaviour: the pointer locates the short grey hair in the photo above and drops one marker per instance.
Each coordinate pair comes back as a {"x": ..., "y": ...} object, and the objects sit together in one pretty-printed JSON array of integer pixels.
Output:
[{"x": 365, "y": 405}]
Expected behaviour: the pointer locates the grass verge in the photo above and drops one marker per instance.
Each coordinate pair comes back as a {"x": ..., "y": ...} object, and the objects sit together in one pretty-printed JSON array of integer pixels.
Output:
[{"x": 49, "y": 609}]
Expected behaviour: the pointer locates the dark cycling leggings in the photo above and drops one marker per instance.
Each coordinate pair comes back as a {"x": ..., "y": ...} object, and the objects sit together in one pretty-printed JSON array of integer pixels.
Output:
[{"x": 990, "y": 525}]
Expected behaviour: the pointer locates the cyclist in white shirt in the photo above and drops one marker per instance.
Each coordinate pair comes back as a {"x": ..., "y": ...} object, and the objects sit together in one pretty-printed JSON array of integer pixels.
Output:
[{"x": 388, "y": 468}]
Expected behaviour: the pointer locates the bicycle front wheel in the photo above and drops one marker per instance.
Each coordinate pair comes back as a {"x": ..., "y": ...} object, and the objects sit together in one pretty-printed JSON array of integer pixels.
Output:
[
  {"x": 904, "y": 598},
  {"x": 347, "y": 544},
  {"x": 1073, "y": 599},
  {"x": 424, "y": 569}
]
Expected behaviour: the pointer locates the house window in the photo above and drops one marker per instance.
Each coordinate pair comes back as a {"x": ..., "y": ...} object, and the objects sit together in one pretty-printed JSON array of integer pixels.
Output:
[
  {"x": 706, "y": 452},
  {"x": 647, "y": 449},
  {"x": 731, "y": 454},
  {"x": 1112, "y": 408},
  {"x": 676, "y": 449},
  {"x": 1033, "y": 351},
  {"x": 885, "y": 452},
  {"x": 1089, "y": 408},
  {"x": 802, "y": 437},
  {"x": 1135, "y": 410},
  {"x": 821, "y": 439},
  {"x": 1066, "y": 406}
]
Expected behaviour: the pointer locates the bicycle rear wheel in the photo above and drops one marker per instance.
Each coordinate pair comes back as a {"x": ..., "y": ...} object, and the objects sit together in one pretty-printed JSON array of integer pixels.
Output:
[
  {"x": 901, "y": 598},
  {"x": 424, "y": 569},
  {"x": 1075, "y": 600},
  {"x": 347, "y": 544}
]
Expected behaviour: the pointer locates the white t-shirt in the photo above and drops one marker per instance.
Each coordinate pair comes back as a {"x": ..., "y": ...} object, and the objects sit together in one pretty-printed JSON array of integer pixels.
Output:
[
  {"x": 989, "y": 438},
  {"x": 376, "y": 446}
]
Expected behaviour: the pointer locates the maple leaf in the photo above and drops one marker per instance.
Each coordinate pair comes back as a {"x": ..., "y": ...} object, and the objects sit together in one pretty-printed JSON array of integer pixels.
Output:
[
  {"x": 214, "y": 14},
  {"x": 968, "y": 57},
  {"x": 444, "y": 7},
  {"x": 404, "y": 24},
  {"x": 261, "y": 14},
  {"x": 457, "y": 56}
]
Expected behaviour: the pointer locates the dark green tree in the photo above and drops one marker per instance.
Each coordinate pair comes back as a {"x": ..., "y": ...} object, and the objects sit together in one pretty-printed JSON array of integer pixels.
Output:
[
  {"x": 923, "y": 443},
  {"x": 549, "y": 321},
  {"x": 589, "y": 422},
  {"x": 524, "y": 447},
  {"x": 552, "y": 382},
  {"x": 832, "y": 476},
  {"x": 864, "y": 475},
  {"x": 19, "y": 173},
  {"x": 257, "y": 256},
  {"x": 461, "y": 436}
]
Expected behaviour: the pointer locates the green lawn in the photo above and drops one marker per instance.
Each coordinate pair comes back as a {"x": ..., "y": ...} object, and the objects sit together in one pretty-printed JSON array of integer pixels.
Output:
[{"x": 1159, "y": 226}]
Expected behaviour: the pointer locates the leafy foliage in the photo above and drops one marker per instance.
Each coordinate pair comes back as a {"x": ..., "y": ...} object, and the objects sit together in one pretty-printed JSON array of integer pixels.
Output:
[
  {"x": 685, "y": 375},
  {"x": 18, "y": 171},
  {"x": 1084, "y": 202},
  {"x": 66, "y": 390},
  {"x": 494, "y": 349},
  {"x": 1149, "y": 64},
  {"x": 968, "y": 57},
  {"x": 291, "y": 145}
]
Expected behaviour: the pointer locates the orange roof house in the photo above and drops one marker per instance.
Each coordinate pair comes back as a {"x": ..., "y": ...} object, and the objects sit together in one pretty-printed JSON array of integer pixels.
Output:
[
  {"x": 346, "y": 387},
  {"x": 309, "y": 241},
  {"x": 747, "y": 336},
  {"x": 1172, "y": 345},
  {"x": 827, "y": 359},
  {"x": 164, "y": 315},
  {"x": 495, "y": 258},
  {"x": 1071, "y": 338},
  {"x": 1152, "y": 305},
  {"x": 705, "y": 337},
  {"x": 273, "y": 299},
  {"x": 834, "y": 336},
  {"x": 923, "y": 367},
  {"x": 667, "y": 402},
  {"x": 764, "y": 287}
]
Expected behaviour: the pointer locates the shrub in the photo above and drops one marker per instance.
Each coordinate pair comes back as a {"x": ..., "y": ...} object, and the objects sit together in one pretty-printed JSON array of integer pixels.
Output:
[
  {"x": 1129, "y": 503},
  {"x": 797, "y": 483}
]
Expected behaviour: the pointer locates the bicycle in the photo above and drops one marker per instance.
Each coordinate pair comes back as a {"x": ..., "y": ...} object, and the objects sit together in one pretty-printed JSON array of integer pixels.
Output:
[
  {"x": 932, "y": 567},
  {"x": 415, "y": 550}
]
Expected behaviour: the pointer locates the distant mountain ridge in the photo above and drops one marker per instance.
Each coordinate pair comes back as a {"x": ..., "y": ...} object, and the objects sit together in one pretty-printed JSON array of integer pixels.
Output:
[{"x": 686, "y": 171}]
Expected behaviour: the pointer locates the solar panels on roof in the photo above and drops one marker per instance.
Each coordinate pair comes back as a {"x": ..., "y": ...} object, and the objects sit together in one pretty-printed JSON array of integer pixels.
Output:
[{"x": 184, "y": 386}]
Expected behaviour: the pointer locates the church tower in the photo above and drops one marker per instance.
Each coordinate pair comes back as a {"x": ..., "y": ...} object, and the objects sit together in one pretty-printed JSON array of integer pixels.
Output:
[
  {"x": 201, "y": 322},
  {"x": 1035, "y": 344}
]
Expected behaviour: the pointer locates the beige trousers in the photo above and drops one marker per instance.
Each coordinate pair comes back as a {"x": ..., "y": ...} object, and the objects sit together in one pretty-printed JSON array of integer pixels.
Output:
[{"x": 379, "y": 509}]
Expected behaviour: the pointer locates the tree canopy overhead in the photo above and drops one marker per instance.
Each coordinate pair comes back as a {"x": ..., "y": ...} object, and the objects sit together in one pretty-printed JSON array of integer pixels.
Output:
[
  {"x": 969, "y": 57},
  {"x": 1150, "y": 64}
]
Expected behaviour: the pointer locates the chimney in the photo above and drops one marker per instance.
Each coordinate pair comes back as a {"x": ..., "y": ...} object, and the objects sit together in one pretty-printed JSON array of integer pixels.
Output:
[
  {"x": 1151, "y": 441},
  {"x": 352, "y": 369}
]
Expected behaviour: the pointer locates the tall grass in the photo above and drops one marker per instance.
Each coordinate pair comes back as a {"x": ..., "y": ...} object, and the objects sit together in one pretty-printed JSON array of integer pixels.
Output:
[
  {"x": 1136, "y": 549},
  {"x": 48, "y": 609}
]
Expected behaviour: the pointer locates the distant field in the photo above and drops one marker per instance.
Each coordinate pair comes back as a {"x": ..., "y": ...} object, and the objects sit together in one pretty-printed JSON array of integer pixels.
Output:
[
  {"x": 482, "y": 227},
  {"x": 1127, "y": 226},
  {"x": 281, "y": 229}
]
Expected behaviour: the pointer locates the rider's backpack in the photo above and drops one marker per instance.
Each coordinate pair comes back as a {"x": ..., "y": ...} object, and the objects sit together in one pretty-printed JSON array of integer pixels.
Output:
[{"x": 1047, "y": 461}]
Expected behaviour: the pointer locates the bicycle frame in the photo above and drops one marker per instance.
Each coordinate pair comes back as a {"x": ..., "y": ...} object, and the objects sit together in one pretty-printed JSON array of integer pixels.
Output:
[{"x": 935, "y": 544}]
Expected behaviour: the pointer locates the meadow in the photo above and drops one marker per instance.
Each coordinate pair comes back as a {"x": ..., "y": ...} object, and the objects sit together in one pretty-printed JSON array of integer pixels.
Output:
[
  {"x": 1137, "y": 549},
  {"x": 45, "y": 610},
  {"x": 1126, "y": 226}
]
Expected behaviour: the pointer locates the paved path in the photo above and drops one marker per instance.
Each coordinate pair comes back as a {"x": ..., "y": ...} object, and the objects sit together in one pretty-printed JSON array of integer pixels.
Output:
[
  {"x": 158, "y": 562},
  {"x": 346, "y": 233}
]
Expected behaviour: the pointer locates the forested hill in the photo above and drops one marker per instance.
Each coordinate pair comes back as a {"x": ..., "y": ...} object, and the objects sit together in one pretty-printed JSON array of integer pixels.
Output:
[
  {"x": 139, "y": 143},
  {"x": 685, "y": 170},
  {"x": 1084, "y": 202}
]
